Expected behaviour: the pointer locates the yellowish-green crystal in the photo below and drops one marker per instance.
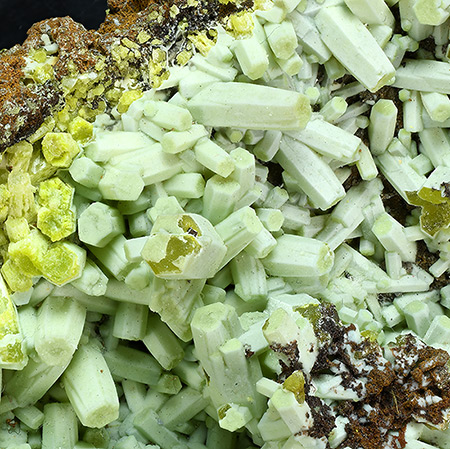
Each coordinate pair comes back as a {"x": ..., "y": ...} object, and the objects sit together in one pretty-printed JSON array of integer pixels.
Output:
[
  {"x": 63, "y": 263},
  {"x": 55, "y": 218},
  {"x": 435, "y": 209},
  {"x": 296, "y": 383},
  {"x": 17, "y": 228},
  {"x": 178, "y": 246},
  {"x": 11, "y": 352},
  {"x": 59, "y": 149},
  {"x": 81, "y": 129},
  {"x": 127, "y": 98},
  {"x": 29, "y": 253},
  {"x": 16, "y": 279},
  {"x": 4, "y": 202},
  {"x": 21, "y": 196}
]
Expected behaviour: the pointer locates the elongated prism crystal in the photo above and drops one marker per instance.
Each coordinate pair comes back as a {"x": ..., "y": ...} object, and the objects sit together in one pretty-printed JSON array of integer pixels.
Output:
[
  {"x": 30, "y": 415},
  {"x": 309, "y": 37},
  {"x": 232, "y": 375},
  {"x": 372, "y": 12},
  {"x": 237, "y": 231},
  {"x": 429, "y": 12},
  {"x": 252, "y": 57},
  {"x": 168, "y": 115},
  {"x": 423, "y": 75},
  {"x": 132, "y": 364},
  {"x": 219, "y": 198},
  {"x": 250, "y": 106},
  {"x": 328, "y": 140},
  {"x": 296, "y": 256},
  {"x": 176, "y": 301},
  {"x": 90, "y": 388},
  {"x": 354, "y": 47},
  {"x": 437, "y": 105},
  {"x": 249, "y": 277},
  {"x": 282, "y": 38},
  {"x": 149, "y": 424},
  {"x": 60, "y": 428},
  {"x": 111, "y": 143},
  {"x": 319, "y": 182},
  {"x": 29, "y": 384},
  {"x": 130, "y": 321},
  {"x": 162, "y": 343},
  {"x": 383, "y": 119},
  {"x": 182, "y": 407}
]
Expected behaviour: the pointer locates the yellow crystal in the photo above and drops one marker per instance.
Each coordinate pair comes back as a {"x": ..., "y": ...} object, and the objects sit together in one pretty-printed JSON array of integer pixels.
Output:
[
  {"x": 183, "y": 57},
  {"x": 46, "y": 127},
  {"x": 81, "y": 129},
  {"x": 19, "y": 155},
  {"x": 143, "y": 37},
  {"x": 12, "y": 355},
  {"x": 127, "y": 98},
  {"x": 63, "y": 263},
  {"x": 55, "y": 194},
  {"x": 240, "y": 24},
  {"x": 59, "y": 149},
  {"x": 435, "y": 209},
  {"x": 184, "y": 246},
  {"x": 55, "y": 224},
  {"x": 21, "y": 199},
  {"x": 17, "y": 280},
  {"x": 4, "y": 202},
  {"x": 17, "y": 228},
  {"x": 43, "y": 73},
  {"x": 55, "y": 216},
  {"x": 39, "y": 55},
  {"x": 202, "y": 42},
  {"x": 29, "y": 253},
  {"x": 177, "y": 248},
  {"x": 296, "y": 383}
]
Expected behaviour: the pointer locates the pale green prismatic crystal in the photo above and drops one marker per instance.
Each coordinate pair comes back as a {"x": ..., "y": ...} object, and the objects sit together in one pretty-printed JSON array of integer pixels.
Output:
[{"x": 183, "y": 246}]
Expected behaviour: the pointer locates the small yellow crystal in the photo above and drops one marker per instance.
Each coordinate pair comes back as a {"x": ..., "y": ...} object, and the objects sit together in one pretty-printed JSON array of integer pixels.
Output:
[
  {"x": 29, "y": 253},
  {"x": 55, "y": 218},
  {"x": 296, "y": 383},
  {"x": 59, "y": 149},
  {"x": 81, "y": 129},
  {"x": 202, "y": 42},
  {"x": 435, "y": 209},
  {"x": 17, "y": 228},
  {"x": 127, "y": 98}
]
